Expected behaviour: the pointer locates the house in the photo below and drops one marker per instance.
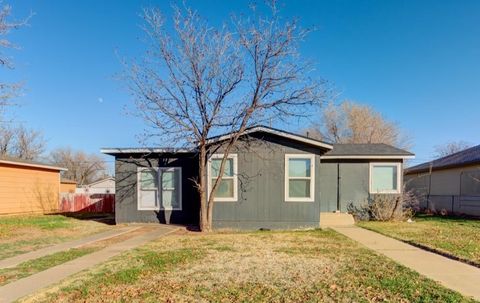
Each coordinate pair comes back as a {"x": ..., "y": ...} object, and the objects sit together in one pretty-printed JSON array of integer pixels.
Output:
[
  {"x": 102, "y": 186},
  {"x": 28, "y": 186},
  {"x": 273, "y": 179},
  {"x": 451, "y": 183},
  {"x": 67, "y": 186}
]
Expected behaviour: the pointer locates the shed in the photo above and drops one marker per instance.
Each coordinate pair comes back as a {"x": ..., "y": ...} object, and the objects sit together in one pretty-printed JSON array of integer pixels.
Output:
[
  {"x": 28, "y": 186},
  {"x": 67, "y": 186}
]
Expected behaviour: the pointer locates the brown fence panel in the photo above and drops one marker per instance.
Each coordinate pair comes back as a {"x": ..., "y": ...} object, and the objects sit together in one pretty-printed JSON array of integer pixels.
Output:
[{"x": 88, "y": 203}]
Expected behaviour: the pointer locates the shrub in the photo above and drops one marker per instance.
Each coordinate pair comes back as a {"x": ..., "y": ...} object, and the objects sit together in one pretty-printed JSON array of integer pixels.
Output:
[{"x": 387, "y": 207}]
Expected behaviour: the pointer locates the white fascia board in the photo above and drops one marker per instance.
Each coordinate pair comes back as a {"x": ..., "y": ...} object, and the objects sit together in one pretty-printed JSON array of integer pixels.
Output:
[
  {"x": 367, "y": 157},
  {"x": 144, "y": 150},
  {"x": 278, "y": 133},
  {"x": 33, "y": 165}
]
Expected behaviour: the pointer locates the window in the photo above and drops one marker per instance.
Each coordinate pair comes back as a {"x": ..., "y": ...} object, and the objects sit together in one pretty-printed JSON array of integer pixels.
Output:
[
  {"x": 385, "y": 178},
  {"x": 168, "y": 196},
  {"x": 171, "y": 195},
  {"x": 148, "y": 191},
  {"x": 300, "y": 178},
  {"x": 227, "y": 189}
]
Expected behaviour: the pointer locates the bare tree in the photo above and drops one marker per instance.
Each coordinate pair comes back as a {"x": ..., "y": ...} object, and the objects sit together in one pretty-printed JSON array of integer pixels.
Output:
[
  {"x": 21, "y": 142},
  {"x": 7, "y": 90},
  {"x": 7, "y": 137},
  {"x": 29, "y": 144},
  {"x": 82, "y": 167},
  {"x": 198, "y": 81},
  {"x": 450, "y": 148},
  {"x": 349, "y": 122}
]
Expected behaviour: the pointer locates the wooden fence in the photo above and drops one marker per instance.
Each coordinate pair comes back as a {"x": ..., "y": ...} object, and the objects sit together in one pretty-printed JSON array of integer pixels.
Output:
[{"x": 87, "y": 203}]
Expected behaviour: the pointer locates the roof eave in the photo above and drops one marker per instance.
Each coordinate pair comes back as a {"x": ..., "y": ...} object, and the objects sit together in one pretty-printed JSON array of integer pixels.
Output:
[
  {"x": 278, "y": 133},
  {"x": 34, "y": 165},
  {"x": 115, "y": 151},
  {"x": 412, "y": 170},
  {"x": 353, "y": 157}
]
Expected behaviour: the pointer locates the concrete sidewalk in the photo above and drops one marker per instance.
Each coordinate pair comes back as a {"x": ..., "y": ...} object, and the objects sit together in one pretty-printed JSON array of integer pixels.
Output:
[
  {"x": 15, "y": 260},
  {"x": 450, "y": 273},
  {"x": 34, "y": 283}
]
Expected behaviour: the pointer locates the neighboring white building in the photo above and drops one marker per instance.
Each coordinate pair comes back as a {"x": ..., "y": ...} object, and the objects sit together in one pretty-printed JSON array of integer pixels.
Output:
[{"x": 103, "y": 186}]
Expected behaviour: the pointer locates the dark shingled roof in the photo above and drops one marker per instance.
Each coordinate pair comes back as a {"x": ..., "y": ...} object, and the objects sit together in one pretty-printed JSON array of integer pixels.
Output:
[
  {"x": 372, "y": 149},
  {"x": 465, "y": 157}
]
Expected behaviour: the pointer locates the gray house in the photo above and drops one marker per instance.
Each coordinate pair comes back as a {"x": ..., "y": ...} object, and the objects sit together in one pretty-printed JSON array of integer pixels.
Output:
[{"x": 273, "y": 179}]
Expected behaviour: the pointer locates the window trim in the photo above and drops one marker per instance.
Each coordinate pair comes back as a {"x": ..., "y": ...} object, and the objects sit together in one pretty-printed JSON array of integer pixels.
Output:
[
  {"x": 139, "y": 188},
  {"x": 235, "y": 177},
  {"x": 159, "y": 188},
  {"x": 399, "y": 177},
  {"x": 287, "y": 178}
]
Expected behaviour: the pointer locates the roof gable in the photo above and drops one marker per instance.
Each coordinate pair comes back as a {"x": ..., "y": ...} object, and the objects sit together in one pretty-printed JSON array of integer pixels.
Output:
[{"x": 276, "y": 132}]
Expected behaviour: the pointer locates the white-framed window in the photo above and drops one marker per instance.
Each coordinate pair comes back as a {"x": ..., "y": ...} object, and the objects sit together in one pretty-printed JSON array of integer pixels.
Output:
[
  {"x": 299, "y": 177},
  {"x": 385, "y": 178},
  {"x": 227, "y": 190},
  {"x": 147, "y": 180},
  {"x": 159, "y": 188}
]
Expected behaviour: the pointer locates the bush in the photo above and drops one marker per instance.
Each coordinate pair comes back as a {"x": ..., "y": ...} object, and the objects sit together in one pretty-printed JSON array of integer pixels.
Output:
[{"x": 387, "y": 207}]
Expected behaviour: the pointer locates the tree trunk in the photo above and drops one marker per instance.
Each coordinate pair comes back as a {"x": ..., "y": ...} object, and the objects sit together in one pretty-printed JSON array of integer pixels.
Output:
[{"x": 205, "y": 224}]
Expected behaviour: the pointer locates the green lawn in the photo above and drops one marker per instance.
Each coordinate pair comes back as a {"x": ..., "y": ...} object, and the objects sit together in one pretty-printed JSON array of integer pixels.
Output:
[
  {"x": 303, "y": 266},
  {"x": 20, "y": 234},
  {"x": 455, "y": 236}
]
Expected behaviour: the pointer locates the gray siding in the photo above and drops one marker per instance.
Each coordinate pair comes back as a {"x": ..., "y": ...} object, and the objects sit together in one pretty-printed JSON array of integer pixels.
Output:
[
  {"x": 328, "y": 187},
  {"x": 126, "y": 209},
  {"x": 350, "y": 188},
  {"x": 261, "y": 193}
]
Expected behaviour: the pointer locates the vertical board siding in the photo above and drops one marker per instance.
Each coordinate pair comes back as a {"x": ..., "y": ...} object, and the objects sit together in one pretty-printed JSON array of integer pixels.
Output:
[
  {"x": 453, "y": 190},
  {"x": 328, "y": 187},
  {"x": 88, "y": 203},
  {"x": 261, "y": 200},
  {"x": 354, "y": 184},
  {"x": 27, "y": 189},
  {"x": 126, "y": 209}
]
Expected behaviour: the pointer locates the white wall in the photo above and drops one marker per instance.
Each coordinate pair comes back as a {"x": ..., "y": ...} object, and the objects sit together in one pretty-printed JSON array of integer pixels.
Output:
[{"x": 104, "y": 187}]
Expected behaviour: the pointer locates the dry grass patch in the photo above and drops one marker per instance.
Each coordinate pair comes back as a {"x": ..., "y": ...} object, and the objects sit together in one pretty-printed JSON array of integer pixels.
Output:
[
  {"x": 307, "y": 266},
  {"x": 25, "y": 269},
  {"x": 20, "y": 234}
]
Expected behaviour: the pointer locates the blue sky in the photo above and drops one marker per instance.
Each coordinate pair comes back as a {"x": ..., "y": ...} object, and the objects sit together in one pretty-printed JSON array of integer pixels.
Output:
[{"x": 416, "y": 62}]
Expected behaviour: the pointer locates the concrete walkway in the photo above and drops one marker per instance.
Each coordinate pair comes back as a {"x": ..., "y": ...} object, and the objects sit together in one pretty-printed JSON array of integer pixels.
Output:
[
  {"x": 34, "y": 283},
  {"x": 452, "y": 274},
  {"x": 15, "y": 260}
]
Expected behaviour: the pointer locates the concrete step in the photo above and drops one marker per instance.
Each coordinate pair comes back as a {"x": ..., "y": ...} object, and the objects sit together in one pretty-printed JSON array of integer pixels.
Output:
[{"x": 332, "y": 219}]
